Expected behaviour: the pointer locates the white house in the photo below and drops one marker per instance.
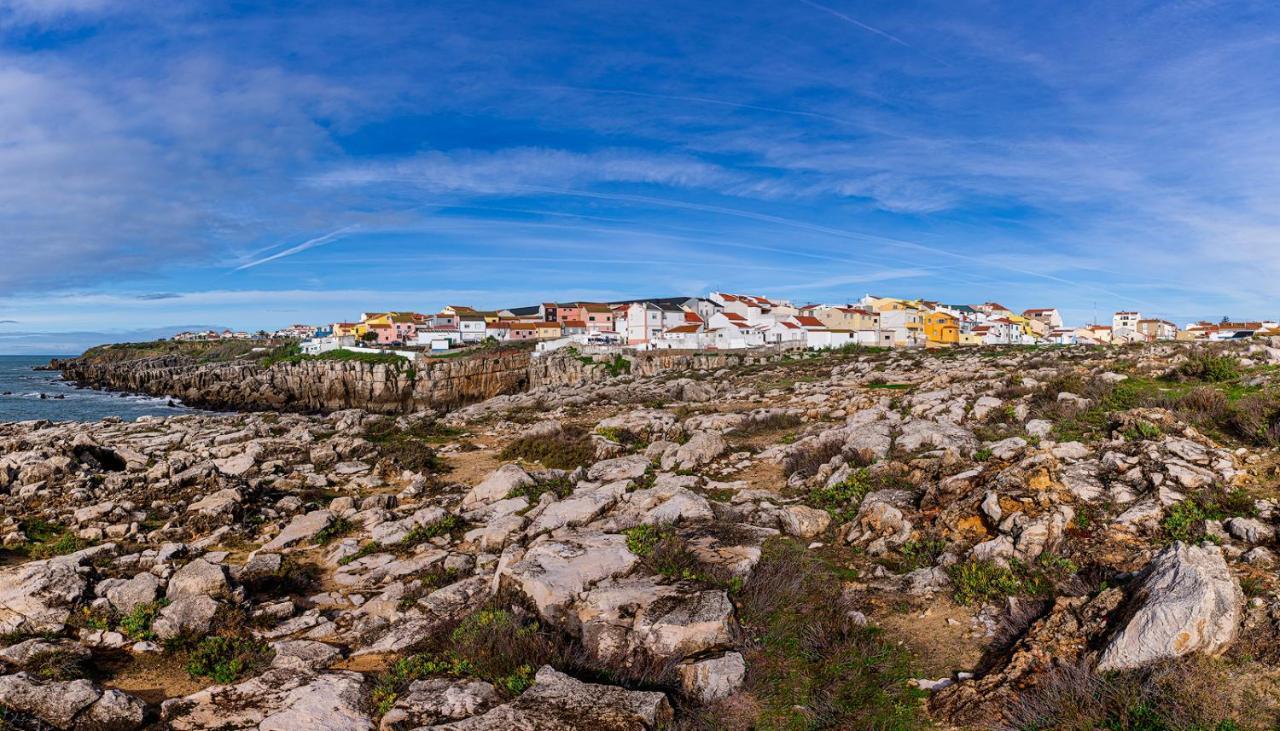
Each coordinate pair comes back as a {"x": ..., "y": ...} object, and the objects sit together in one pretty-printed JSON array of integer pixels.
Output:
[
  {"x": 428, "y": 337},
  {"x": 906, "y": 325},
  {"x": 316, "y": 346},
  {"x": 471, "y": 328},
  {"x": 1122, "y": 321}
]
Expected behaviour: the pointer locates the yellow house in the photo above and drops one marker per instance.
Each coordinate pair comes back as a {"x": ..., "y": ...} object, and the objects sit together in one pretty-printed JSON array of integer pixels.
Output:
[
  {"x": 970, "y": 339},
  {"x": 941, "y": 329},
  {"x": 352, "y": 329},
  {"x": 1027, "y": 325}
]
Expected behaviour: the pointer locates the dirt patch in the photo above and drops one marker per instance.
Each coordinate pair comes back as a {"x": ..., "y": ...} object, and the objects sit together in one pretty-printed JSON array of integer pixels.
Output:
[
  {"x": 155, "y": 678},
  {"x": 941, "y": 638},
  {"x": 470, "y": 468},
  {"x": 761, "y": 475}
]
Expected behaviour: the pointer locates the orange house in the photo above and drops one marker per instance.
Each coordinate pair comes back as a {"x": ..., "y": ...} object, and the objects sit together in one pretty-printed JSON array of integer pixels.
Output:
[{"x": 941, "y": 329}]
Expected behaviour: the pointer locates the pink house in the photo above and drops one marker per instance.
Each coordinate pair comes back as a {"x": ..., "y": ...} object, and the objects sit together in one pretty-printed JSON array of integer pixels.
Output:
[{"x": 386, "y": 333}]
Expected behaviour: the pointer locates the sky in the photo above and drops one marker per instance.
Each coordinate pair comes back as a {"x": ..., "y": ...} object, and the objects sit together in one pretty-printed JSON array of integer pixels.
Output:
[{"x": 250, "y": 165}]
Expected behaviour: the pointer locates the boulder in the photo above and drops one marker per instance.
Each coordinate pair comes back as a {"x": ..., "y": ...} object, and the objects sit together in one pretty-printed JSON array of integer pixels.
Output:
[
  {"x": 74, "y": 705},
  {"x": 439, "y": 700},
  {"x": 630, "y": 467},
  {"x": 555, "y": 570},
  {"x": 803, "y": 521},
  {"x": 301, "y": 528},
  {"x": 713, "y": 678},
  {"x": 497, "y": 486},
  {"x": 557, "y": 702},
  {"x": 1185, "y": 601},
  {"x": 190, "y": 614},
  {"x": 38, "y": 596},
  {"x": 198, "y": 577},
  {"x": 280, "y": 699},
  {"x": 701, "y": 449},
  {"x": 143, "y": 588}
]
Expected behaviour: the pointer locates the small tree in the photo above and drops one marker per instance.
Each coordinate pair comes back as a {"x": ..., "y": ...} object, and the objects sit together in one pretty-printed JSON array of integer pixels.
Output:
[{"x": 369, "y": 337}]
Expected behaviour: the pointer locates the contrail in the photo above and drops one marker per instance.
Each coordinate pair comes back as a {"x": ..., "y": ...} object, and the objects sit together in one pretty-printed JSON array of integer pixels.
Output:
[
  {"x": 308, "y": 244},
  {"x": 855, "y": 21}
]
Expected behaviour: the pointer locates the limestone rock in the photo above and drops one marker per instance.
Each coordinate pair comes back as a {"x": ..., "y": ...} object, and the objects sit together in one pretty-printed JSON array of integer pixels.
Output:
[
  {"x": 76, "y": 705},
  {"x": 557, "y": 702},
  {"x": 301, "y": 528},
  {"x": 1186, "y": 601},
  {"x": 439, "y": 700},
  {"x": 278, "y": 700},
  {"x": 38, "y": 596}
]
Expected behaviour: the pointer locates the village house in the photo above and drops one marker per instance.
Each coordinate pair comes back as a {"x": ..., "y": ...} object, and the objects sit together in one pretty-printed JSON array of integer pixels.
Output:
[
  {"x": 547, "y": 330},
  {"x": 1158, "y": 329},
  {"x": 1125, "y": 321},
  {"x": 941, "y": 329},
  {"x": 1049, "y": 316},
  {"x": 906, "y": 323},
  {"x": 755, "y": 309},
  {"x": 844, "y": 317}
]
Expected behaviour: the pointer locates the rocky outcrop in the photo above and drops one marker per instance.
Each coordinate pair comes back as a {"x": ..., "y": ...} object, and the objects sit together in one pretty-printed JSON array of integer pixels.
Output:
[{"x": 1186, "y": 601}]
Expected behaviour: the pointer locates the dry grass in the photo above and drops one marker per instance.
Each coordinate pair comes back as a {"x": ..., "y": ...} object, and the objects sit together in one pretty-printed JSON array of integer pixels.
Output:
[
  {"x": 1185, "y": 695},
  {"x": 564, "y": 450}
]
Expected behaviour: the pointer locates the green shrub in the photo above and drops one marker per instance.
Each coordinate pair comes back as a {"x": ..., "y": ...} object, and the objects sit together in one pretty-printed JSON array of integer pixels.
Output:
[
  {"x": 618, "y": 366},
  {"x": 1204, "y": 366},
  {"x": 561, "y": 487},
  {"x": 977, "y": 581},
  {"x": 491, "y": 644},
  {"x": 336, "y": 529},
  {"x": 136, "y": 625},
  {"x": 224, "y": 659}
]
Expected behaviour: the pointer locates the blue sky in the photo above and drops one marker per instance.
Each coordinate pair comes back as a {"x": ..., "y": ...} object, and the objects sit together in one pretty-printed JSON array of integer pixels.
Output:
[{"x": 255, "y": 164}]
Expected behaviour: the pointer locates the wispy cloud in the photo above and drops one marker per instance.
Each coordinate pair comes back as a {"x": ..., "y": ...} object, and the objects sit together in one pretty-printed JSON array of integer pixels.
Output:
[{"x": 160, "y": 296}]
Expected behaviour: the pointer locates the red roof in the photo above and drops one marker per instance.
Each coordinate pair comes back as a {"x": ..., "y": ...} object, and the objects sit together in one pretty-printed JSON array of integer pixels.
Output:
[
  {"x": 683, "y": 329},
  {"x": 735, "y": 317},
  {"x": 807, "y": 321}
]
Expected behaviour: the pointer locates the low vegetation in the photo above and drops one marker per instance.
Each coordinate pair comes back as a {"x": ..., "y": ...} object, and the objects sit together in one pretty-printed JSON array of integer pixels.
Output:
[
  {"x": 292, "y": 354},
  {"x": 977, "y": 581},
  {"x": 225, "y": 659},
  {"x": 411, "y": 446},
  {"x": 493, "y": 644},
  {"x": 810, "y": 665},
  {"x": 567, "y": 449},
  {"x": 1183, "y": 695}
]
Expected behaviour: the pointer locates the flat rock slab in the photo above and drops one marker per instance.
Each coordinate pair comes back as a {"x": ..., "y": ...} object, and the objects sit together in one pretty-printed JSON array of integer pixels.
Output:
[
  {"x": 557, "y": 702},
  {"x": 280, "y": 699}
]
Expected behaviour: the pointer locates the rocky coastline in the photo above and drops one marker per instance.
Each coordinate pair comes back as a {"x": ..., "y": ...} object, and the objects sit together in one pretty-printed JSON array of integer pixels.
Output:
[{"x": 1021, "y": 538}]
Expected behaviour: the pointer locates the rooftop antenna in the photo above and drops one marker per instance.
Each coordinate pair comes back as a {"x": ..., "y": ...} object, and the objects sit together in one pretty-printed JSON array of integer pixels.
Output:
[{"x": 1095, "y": 312}]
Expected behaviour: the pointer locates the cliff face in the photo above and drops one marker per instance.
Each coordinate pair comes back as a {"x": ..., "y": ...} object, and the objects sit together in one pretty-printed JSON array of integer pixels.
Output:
[
  {"x": 325, "y": 386},
  {"x": 310, "y": 386}
]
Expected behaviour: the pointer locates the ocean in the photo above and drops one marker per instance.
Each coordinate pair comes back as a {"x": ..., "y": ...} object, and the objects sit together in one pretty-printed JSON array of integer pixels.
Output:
[{"x": 21, "y": 389}]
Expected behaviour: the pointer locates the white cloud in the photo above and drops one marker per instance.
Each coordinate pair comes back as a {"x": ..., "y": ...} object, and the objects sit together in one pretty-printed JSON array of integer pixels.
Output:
[{"x": 526, "y": 169}]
